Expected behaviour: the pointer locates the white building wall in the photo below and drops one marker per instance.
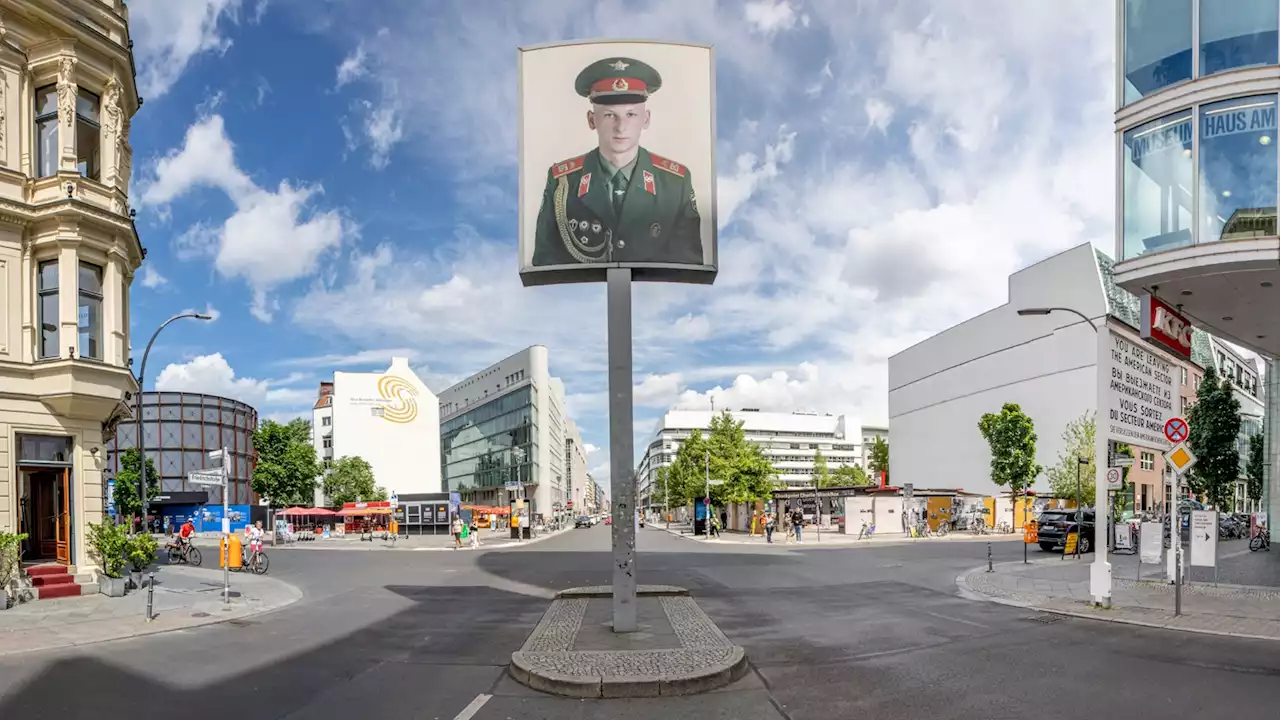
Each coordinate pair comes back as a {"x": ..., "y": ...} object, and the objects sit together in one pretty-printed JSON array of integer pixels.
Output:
[
  {"x": 395, "y": 426},
  {"x": 575, "y": 464},
  {"x": 939, "y": 388}
]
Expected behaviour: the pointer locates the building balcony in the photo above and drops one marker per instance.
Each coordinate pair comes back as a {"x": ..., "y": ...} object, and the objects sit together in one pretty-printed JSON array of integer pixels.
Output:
[{"x": 79, "y": 389}]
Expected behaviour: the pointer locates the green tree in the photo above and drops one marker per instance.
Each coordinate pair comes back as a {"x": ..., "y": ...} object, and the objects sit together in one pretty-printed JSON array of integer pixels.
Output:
[
  {"x": 124, "y": 494},
  {"x": 1012, "y": 437},
  {"x": 350, "y": 480},
  {"x": 878, "y": 460},
  {"x": 1254, "y": 468},
  {"x": 821, "y": 473},
  {"x": 1215, "y": 425},
  {"x": 685, "y": 474},
  {"x": 287, "y": 468},
  {"x": 1077, "y": 443},
  {"x": 851, "y": 476},
  {"x": 747, "y": 474}
]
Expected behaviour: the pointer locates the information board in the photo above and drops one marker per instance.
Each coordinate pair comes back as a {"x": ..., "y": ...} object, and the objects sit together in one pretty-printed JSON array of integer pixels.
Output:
[
  {"x": 1140, "y": 393},
  {"x": 1070, "y": 548},
  {"x": 1152, "y": 542},
  {"x": 1124, "y": 536},
  {"x": 1204, "y": 538}
]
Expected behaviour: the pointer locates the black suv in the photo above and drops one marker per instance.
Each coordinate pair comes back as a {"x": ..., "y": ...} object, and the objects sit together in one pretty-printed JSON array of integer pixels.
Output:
[{"x": 1053, "y": 526}]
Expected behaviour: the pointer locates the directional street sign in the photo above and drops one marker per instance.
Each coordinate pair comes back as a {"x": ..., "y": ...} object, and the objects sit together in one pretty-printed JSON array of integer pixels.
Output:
[
  {"x": 205, "y": 477},
  {"x": 1180, "y": 458},
  {"x": 1176, "y": 430},
  {"x": 1121, "y": 461},
  {"x": 215, "y": 455}
]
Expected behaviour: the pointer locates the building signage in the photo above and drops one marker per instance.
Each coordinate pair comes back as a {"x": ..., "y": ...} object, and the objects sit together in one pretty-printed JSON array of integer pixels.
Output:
[
  {"x": 1164, "y": 326},
  {"x": 1168, "y": 136},
  {"x": 1253, "y": 117},
  {"x": 1140, "y": 392}
]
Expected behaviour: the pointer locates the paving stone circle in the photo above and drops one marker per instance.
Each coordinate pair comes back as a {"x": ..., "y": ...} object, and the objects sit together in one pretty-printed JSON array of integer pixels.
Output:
[{"x": 559, "y": 627}]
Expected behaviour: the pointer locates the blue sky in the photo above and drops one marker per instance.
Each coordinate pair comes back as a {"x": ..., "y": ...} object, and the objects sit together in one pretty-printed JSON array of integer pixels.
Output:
[{"x": 336, "y": 179}]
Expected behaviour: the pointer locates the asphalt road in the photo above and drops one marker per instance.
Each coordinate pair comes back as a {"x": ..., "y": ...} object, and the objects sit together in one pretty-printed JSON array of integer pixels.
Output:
[{"x": 831, "y": 633}]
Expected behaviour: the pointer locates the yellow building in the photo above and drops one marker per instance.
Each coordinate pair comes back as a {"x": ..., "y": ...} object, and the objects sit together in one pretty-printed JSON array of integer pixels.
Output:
[{"x": 68, "y": 253}]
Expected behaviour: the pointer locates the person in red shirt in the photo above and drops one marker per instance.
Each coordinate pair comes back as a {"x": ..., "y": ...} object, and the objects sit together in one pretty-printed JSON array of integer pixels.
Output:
[{"x": 188, "y": 529}]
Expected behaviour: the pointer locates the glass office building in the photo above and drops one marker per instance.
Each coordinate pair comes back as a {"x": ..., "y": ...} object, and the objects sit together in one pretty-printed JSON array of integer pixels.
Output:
[{"x": 491, "y": 444}]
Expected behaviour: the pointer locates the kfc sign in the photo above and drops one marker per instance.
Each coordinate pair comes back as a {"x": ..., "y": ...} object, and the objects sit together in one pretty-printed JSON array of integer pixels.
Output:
[{"x": 1164, "y": 326}]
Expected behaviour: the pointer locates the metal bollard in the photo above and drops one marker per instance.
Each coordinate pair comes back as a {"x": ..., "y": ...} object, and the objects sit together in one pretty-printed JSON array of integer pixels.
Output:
[
  {"x": 989, "y": 566},
  {"x": 151, "y": 594}
]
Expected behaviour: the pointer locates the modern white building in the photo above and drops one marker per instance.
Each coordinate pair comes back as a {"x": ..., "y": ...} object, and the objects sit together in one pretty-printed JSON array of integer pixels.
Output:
[
  {"x": 390, "y": 419},
  {"x": 870, "y": 433},
  {"x": 506, "y": 424},
  {"x": 575, "y": 464},
  {"x": 939, "y": 388},
  {"x": 791, "y": 441},
  {"x": 1196, "y": 169}
]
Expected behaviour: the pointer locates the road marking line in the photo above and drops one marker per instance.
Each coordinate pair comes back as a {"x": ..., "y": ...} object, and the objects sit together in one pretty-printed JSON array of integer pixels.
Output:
[
  {"x": 470, "y": 711},
  {"x": 955, "y": 619}
]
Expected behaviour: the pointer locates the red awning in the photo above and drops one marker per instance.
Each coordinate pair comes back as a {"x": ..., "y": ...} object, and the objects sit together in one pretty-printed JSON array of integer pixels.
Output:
[
  {"x": 302, "y": 511},
  {"x": 361, "y": 512}
]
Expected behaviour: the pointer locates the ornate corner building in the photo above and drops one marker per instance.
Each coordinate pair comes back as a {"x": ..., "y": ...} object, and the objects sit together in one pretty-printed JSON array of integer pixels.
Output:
[
  {"x": 68, "y": 253},
  {"x": 1197, "y": 173}
]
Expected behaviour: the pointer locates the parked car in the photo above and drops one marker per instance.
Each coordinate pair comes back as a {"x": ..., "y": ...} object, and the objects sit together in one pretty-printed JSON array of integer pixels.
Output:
[
  {"x": 1053, "y": 526},
  {"x": 608, "y": 520},
  {"x": 582, "y": 522}
]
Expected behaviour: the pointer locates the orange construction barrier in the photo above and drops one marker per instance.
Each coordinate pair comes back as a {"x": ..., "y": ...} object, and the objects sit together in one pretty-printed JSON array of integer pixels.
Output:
[{"x": 236, "y": 555}]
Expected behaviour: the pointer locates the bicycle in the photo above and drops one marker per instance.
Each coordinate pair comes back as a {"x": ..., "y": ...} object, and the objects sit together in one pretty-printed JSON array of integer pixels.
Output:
[
  {"x": 1261, "y": 540},
  {"x": 256, "y": 561},
  {"x": 183, "y": 553},
  {"x": 866, "y": 531}
]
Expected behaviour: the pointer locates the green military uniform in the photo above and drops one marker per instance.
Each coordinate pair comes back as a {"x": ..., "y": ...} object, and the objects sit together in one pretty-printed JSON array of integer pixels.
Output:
[{"x": 593, "y": 212}]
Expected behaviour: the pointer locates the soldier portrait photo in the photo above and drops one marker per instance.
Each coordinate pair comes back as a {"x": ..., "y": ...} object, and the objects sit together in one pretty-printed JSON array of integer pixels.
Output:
[{"x": 618, "y": 200}]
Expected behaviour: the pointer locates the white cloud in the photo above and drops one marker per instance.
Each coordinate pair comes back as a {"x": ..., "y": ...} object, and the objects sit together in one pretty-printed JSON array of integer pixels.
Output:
[
  {"x": 363, "y": 358},
  {"x": 213, "y": 375},
  {"x": 151, "y": 278},
  {"x": 259, "y": 11},
  {"x": 352, "y": 66},
  {"x": 657, "y": 390},
  {"x": 770, "y": 16},
  {"x": 384, "y": 129},
  {"x": 168, "y": 34},
  {"x": 589, "y": 448},
  {"x": 273, "y": 237},
  {"x": 942, "y": 148}
]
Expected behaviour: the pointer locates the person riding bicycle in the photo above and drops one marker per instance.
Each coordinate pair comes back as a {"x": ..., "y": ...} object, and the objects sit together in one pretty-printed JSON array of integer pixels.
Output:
[
  {"x": 255, "y": 537},
  {"x": 186, "y": 532}
]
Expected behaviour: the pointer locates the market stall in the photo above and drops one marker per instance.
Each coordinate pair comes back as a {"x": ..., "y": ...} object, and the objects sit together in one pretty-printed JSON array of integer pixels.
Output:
[
  {"x": 304, "y": 523},
  {"x": 365, "y": 518}
]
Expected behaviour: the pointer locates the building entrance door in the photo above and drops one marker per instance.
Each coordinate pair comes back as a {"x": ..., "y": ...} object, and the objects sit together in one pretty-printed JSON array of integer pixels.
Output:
[{"x": 46, "y": 514}]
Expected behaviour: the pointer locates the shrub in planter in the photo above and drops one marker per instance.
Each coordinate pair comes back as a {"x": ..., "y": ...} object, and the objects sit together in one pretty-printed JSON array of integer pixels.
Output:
[
  {"x": 10, "y": 561},
  {"x": 109, "y": 547},
  {"x": 141, "y": 553}
]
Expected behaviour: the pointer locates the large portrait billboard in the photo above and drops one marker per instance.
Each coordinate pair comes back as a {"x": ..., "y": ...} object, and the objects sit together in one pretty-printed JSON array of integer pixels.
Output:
[{"x": 617, "y": 162}]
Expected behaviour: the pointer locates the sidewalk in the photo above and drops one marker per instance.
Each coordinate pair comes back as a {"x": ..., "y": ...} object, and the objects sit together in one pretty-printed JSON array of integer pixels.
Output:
[
  {"x": 1061, "y": 586},
  {"x": 828, "y": 538},
  {"x": 184, "y": 597},
  {"x": 489, "y": 540}
]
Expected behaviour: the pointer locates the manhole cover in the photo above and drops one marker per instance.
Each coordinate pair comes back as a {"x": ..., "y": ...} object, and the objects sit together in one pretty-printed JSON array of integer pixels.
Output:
[
  {"x": 1044, "y": 619},
  {"x": 199, "y": 614}
]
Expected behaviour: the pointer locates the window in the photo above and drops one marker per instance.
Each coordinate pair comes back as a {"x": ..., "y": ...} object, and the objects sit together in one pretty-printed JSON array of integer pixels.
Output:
[
  {"x": 328, "y": 441},
  {"x": 46, "y": 131},
  {"x": 1183, "y": 405},
  {"x": 326, "y": 420},
  {"x": 1237, "y": 33},
  {"x": 88, "y": 135},
  {"x": 89, "y": 313},
  {"x": 1148, "y": 461},
  {"x": 48, "y": 310},
  {"x": 1238, "y": 169},
  {"x": 1157, "y": 185},
  {"x": 1184, "y": 376},
  {"x": 1157, "y": 45}
]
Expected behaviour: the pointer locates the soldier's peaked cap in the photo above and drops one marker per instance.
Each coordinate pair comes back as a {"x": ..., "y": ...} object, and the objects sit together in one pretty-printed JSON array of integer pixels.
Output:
[{"x": 617, "y": 81}]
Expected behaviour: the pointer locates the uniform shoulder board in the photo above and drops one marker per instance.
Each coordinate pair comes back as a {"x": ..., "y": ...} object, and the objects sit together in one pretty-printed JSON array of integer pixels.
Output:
[
  {"x": 564, "y": 167},
  {"x": 670, "y": 166}
]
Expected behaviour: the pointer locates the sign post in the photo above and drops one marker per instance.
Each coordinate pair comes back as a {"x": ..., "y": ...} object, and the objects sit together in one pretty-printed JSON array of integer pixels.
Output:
[{"x": 217, "y": 477}]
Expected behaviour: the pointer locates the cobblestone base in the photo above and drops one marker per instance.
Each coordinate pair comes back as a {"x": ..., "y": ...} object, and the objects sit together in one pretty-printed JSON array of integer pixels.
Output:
[{"x": 704, "y": 661}]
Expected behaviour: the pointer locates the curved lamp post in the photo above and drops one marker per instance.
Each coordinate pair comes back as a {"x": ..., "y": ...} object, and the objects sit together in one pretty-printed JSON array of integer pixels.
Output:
[
  {"x": 142, "y": 376},
  {"x": 1100, "y": 572}
]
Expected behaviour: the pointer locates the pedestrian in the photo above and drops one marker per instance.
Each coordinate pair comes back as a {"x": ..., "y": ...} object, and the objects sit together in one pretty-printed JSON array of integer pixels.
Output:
[
  {"x": 797, "y": 520},
  {"x": 474, "y": 533},
  {"x": 769, "y": 522},
  {"x": 755, "y": 522},
  {"x": 456, "y": 529},
  {"x": 724, "y": 518},
  {"x": 715, "y": 527}
]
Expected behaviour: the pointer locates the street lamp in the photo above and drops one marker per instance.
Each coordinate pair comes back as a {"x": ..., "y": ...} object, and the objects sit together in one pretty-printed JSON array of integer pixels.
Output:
[
  {"x": 1100, "y": 572},
  {"x": 142, "y": 377}
]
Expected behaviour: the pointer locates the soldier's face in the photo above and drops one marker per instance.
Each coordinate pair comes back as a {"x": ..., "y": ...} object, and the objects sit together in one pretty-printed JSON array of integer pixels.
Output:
[{"x": 618, "y": 126}]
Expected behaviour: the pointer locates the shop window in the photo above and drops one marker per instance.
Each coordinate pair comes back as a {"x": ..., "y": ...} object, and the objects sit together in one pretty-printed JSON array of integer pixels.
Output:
[
  {"x": 1237, "y": 33},
  {"x": 1157, "y": 185},
  {"x": 1238, "y": 169},
  {"x": 1157, "y": 45}
]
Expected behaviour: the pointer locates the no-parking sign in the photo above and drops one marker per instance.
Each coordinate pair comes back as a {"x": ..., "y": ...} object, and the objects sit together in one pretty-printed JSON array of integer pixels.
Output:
[{"x": 1176, "y": 430}]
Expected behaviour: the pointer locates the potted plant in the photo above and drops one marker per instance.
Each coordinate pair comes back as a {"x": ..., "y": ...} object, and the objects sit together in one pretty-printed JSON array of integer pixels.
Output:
[
  {"x": 10, "y": 561},
  {"x": 141, "y": 552},
  {"x": 109, "y": 545}
]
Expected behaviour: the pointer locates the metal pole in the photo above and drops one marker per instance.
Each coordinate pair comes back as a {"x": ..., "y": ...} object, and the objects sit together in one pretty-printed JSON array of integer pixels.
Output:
[
  {"x": 990, "y": 568},
  {"x": 706, "y": 505},
  {"x": 137, "y": 419},
  {"x": 621, "y": 449},
  {"x": 1024, "y": 525},
  {"x": 1079, "y": 508},
  {"x": 1175, "y": 544},
  {"x": 151, "y": 593}
]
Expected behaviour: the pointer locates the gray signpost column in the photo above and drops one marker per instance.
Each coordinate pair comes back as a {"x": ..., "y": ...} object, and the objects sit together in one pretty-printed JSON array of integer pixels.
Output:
[{"x": 621, "y": 450}]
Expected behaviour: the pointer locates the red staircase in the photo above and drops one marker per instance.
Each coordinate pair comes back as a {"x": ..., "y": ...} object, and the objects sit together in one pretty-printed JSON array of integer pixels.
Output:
[{"x": 53, "y": 581}]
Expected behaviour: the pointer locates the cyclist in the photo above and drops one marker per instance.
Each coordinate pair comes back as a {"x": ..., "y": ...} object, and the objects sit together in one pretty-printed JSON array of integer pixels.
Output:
[{"x": 184, "y": 534}]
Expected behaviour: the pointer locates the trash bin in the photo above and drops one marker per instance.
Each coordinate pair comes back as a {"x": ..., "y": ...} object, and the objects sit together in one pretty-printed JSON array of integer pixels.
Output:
[{"x": 236, "y": 553}]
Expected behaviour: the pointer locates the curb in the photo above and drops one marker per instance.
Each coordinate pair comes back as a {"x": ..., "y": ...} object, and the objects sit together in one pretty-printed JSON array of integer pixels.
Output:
[
  {"x": 154, "y": 629},
  {"x": 843, "y": 545},
  {"x": 392, "y": 548},
  {"x": 605, "y": 591},
  {"x": 967, "y": 592},
  {"x": 637, "y": 686}
]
